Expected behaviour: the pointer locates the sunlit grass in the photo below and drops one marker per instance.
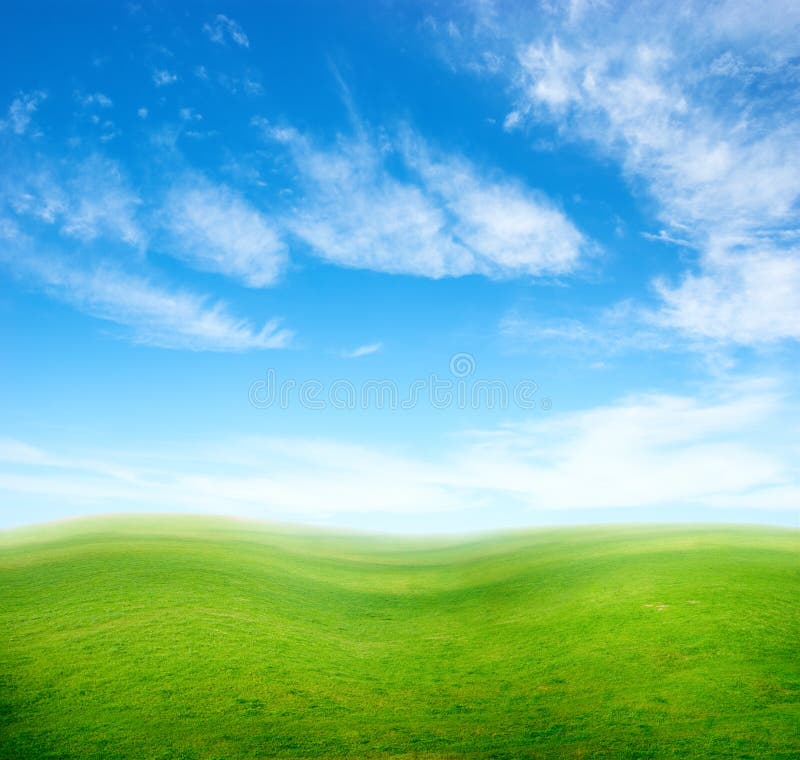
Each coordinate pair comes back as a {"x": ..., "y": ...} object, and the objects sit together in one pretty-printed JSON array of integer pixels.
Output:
[{"x": 184, "y": 637}]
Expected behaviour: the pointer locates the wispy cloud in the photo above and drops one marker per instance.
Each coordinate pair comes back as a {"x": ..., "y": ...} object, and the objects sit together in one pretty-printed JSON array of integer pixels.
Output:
[
  {"x": 215, "y": 228},
  {"x": 645, "y": 451},
  {"x": 621, "y": 328},
  {"x": 514, "y": 229},
  {"x": 151, "y": 314},
  {"x": 365, "y": 350},
  {"x": 17, "y": 452},
  {"x": 256, "y": 476},
  {"x": 162, "y": 77},
  {"x": 747, "y": 294},
  {"x": 87, "y": 199},
  {"x": 706, "y": 166},
  {"x": 20, "y": 112},
  {"x": 224, "y": 28},
  {"x": 664, "y": 237},
  {"x": 443, "y": 217},
  {"x": 94, "y": 99},
  {"x": 93, "y": 210},
  {"x": 693, "y": 107}
]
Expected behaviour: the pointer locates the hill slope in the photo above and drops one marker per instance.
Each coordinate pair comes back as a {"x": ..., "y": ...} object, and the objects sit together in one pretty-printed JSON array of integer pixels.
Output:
[{"x": 184, "y": 637}]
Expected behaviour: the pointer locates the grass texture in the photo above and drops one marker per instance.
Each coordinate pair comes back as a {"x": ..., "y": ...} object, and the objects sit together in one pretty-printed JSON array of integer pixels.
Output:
[{"x": 192, "y": 637}]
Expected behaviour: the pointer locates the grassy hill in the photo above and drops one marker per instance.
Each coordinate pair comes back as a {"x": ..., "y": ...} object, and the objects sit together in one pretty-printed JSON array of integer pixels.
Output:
[{"x": 187, "y": 637}]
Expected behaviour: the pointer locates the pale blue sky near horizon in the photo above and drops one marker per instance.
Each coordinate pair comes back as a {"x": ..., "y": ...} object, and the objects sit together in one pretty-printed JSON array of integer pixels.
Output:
[{"x": 595, "y": 201}]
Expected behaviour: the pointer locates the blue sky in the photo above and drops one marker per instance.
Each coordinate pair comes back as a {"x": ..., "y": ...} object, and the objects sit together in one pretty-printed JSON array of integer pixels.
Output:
[{"x": 591, "y": 204}]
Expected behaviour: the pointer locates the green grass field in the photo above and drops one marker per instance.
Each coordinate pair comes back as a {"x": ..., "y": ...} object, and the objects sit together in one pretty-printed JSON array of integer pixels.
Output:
[{"x": 188, "y": 637}]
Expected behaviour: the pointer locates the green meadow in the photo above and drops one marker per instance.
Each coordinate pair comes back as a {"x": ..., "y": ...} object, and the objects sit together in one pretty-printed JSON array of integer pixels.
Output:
[{"x": 190, "y": 637}]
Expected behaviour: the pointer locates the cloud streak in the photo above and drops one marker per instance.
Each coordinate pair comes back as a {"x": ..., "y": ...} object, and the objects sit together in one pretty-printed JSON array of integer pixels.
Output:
[
  {"x": 98, "y": 218},
  {"x": 443, "y": 218},
  {"x": 214, "y": 228},
  {"x": 365, "y": 350},
  {"x": 152, "y": 314},
  {"x": 162, "y": 77},
  {"x": 20, "y": 112},
  {"x": 224, "y": 28},
  {"x": 693, "y": 108},
  {"x": 652, "y": 450}
]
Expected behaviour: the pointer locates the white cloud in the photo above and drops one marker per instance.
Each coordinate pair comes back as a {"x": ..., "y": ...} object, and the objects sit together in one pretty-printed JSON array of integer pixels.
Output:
[
  {"x": 674, "y": 452},
  {"x": 443, "y": 218},
  {"x": 142, "y": 113},
  {"x": 94, "y": 99},
  {"x": 365, "y": 350},
  {"x": 162, "y": 77},
  {"x": 18, "y": 452},
  {"x": 216, "y": 229},
  {"x": 355, "y": 214},
  {"x": 153, "y": 315},
  {"x": 257, "y": 477},
  {"x": 697, "y": 108},
  {"x": 9, "y": 230},
  {"x": 550, "y": 69},
  {"x": 223, "y": 28},
  {"x": 708, "y": 168},
  {"x": 88, "y": 200},
  {"x": 21, "y": 110},
  {"x": 512, "y": 228},
  {"x": 512, "y": 120},
  {"x": 252, "y": 86},
  {"x": 623, "y": 327},
  {"x": 747, "y": 297},
  {"x": 652, "y": 450},
  {"x": 248, "y": 84},
  {"x": 664, "y": 237}
]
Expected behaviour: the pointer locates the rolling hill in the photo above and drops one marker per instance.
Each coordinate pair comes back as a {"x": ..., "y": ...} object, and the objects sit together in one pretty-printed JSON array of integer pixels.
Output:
[{"x": 198, "y": 637}]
